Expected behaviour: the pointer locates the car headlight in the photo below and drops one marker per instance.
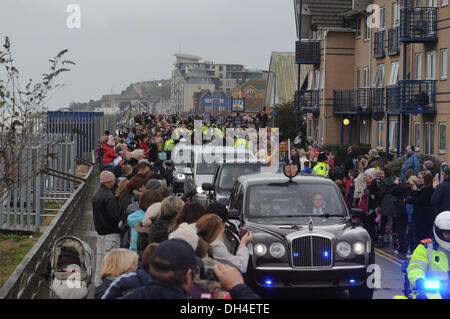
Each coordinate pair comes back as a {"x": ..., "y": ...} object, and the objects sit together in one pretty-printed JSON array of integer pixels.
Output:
[
  {"x": 359, "y": 248},
  {"x": 344, "y": 249},
  {"x": 181, "y": 176},
  {"x": 260, "y": 249},
  {"x": 277, "y": 250},
  {"x": 199, "y": 190}
]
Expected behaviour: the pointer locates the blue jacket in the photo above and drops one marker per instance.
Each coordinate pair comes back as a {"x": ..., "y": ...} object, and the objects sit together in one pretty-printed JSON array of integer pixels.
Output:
[
  {"x": 411, "y": 162},
  {"x": 132, "y": 219},
  {"x": 125, "y": 283},
  {"x": 306, "y": 170},
  {"x": 158, "y": 290}
]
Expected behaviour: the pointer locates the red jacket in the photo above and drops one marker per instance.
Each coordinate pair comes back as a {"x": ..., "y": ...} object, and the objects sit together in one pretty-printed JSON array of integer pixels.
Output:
[
  {"x": 145, "y": 147},
  {"x": 108, "y": 154}
]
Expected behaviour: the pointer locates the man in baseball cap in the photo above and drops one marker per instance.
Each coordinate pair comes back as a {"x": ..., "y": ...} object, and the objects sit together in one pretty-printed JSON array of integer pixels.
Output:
[{"x": 173, "y": 268}]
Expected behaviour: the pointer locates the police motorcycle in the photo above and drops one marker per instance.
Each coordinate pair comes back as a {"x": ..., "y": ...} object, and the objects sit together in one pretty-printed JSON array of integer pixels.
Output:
[{"x": 431, "y": 287}]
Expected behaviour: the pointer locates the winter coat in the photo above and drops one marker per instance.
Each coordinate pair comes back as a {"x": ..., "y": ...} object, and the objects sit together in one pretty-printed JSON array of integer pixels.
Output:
[
  {"x": 108, "y": 154},
  {"x": 440, "y": 175},
  {"x": 155, "y": 289},
  {"x": 106, "y": 212},
  {"x": 400, "y": 193},
  {"x": 441, "y": 196},
  {"x": 132, "y": 220},
  {"x": 159, "y": 230},
  {"x": 125, "y": 283},
  {"x": 387, "y": 199},
  {"x": 351, "y": 163},
  {"x": 219, "y": 252},
  {"x": 100, "y": 290},
  {"x": 360, "y": 181},
  {"x": 412, "y": 162},
  {"x": 423, "y": 212},
  {"x": 142, "y": 238}
]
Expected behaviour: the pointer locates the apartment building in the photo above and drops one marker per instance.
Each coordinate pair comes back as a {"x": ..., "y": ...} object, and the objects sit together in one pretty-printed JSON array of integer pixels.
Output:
[
  {"x": 382, "y": 83},
  {"x": 190, "y": 75}
]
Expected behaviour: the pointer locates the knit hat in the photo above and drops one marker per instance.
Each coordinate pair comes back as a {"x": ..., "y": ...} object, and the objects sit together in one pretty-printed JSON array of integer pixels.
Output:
[
  {"x": 428, "y": 164},
  {"x": 107, "y": 176},
  {"x": 153, "y": 184}
]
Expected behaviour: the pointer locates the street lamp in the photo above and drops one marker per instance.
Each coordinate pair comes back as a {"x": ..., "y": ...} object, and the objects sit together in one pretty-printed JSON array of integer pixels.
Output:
[{"x": 274, "y": 92}]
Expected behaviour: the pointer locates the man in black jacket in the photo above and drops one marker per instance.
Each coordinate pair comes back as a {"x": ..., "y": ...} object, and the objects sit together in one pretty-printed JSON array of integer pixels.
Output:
[
  {"x": 441, "y": 199},
  {"x": 106, "y": 213},
  {"x": 173, "y": 268}
]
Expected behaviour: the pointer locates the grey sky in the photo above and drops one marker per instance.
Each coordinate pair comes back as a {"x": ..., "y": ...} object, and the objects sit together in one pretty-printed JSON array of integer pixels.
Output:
[{"x": 121, "y": 42}]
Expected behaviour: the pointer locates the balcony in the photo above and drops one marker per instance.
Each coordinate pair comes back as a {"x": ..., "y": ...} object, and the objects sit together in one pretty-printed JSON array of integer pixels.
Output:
[
  {"x": 353, "y": 101},
  {"x": 418, "y": 24},
  {"x": 306, "y": 101},
  {"x": 307, "y": 52},
  {"x": 393, "y": 43},
  {"x": 378, "y": 45},
  {"x": 412, "y": 96}
]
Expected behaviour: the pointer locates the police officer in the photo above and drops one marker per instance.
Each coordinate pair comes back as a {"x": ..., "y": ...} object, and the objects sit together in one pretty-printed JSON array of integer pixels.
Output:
[
  {"x": 430, "y": 260},
  {"x": 321, "y": 167},
  {"x": 168, "y": 147}
]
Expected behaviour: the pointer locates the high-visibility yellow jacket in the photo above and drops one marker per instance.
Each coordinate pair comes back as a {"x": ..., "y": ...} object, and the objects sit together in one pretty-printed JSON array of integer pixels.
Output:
[
  {"x": 169, "y": 145},
  {"x": 321, "y": 168},
  {"x": 242, "y": 143},
  {"x": 428, "y": 261}
]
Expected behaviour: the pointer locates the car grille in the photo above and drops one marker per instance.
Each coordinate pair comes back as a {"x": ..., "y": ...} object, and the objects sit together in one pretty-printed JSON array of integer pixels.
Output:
[{"x": 312, "y": 251}]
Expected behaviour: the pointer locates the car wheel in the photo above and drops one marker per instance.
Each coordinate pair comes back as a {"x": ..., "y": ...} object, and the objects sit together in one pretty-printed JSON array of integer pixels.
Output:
[{"x": 361, "y": 292}]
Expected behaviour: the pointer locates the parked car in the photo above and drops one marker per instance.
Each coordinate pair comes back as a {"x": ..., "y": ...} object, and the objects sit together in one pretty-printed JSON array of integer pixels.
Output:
[{"x": 304, "y": 235}]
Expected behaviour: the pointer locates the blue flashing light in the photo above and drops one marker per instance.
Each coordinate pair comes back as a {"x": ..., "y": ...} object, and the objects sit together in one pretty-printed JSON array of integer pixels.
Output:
[
  {"x": 352, "y": 281},
  {"x": 326, "y": 254},
  {"x": 295, "y": 254},
  {"x": 268, "y": 282},
  {"x": 432, "y": 284}
]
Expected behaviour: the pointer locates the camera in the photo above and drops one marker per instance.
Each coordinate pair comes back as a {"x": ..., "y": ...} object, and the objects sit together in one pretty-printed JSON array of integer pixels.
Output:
[
  {"x": 207, "y": 273},
  {"x": 242, "y": 232}
]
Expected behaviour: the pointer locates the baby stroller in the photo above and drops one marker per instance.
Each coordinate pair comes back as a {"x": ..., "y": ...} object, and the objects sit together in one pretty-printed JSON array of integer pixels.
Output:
[{"x": 70, "y": 268}]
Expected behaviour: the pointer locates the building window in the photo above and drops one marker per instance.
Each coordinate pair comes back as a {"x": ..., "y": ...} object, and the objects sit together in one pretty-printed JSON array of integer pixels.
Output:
[
  {"x": 444, "y": 3},
  {"x": 309, "y": 128},
  {"x": 379, "y": 131},
  {"x": 419, "y": 66},
  {"x": 220, "y": 68},
  {"x": 394, "y": 73},
  {"x": 310, "y": 80},
  {"x": 358, "y": 72},
  {"x": 382, "y": 19},
  {"x": 431, "y": 66},
  {"x": 366, "y": 81},
  {"x": 417, "y": 135},
  {"x": 442, "y": 137},
  {"x": 250, "y": 93},
  {"x": 358, "y": 28},
  {"x": 393, "y": 136},
  {"x": 317, "y": 80},
  {"x": 316, "y": 130},
  {"x": 366, "y": 31},
  {"x": 365, "y": 132},
  {"x": 428, "y": 139},
  {"x": 378, "y": 79},
  {"x": 444, "y": 64},
  {"x": 395, "y": 14}
]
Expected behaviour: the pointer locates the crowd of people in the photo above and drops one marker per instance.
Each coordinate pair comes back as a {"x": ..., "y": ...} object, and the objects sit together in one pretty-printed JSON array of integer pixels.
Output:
[
  {"x": 153, "y": 244},
  {"x": 400, "y": 210},
  {"x": 150, "y": 243}
]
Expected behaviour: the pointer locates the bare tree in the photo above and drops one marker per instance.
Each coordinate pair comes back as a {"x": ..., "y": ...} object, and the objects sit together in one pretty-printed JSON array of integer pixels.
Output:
[{"x": 21, "y": 124}]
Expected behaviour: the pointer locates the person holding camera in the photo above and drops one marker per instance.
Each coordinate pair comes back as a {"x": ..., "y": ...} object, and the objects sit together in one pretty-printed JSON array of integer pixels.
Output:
[{"x": 173, "y": 268}]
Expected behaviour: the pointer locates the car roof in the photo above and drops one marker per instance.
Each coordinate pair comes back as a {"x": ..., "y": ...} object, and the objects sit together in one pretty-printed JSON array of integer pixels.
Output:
[{"x": 255, "y": 179}]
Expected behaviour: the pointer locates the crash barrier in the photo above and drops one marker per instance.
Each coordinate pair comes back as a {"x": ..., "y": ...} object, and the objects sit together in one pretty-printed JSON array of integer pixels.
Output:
[
  {"x": 28, "y": 281},
  {"x": 89, "y": 127}
]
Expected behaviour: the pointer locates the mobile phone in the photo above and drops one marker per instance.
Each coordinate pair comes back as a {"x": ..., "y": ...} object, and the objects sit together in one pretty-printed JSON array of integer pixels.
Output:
[
  {"x": 242, "y": 232},
  {"x": 207, "y": 273}
]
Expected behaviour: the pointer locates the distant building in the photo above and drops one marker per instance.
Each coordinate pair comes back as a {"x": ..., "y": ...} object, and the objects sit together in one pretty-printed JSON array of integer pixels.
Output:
[
  {"x": 191, "y": 75},
  {"x": 253, "y": 93},
  {"x": 214, "y": 103}
]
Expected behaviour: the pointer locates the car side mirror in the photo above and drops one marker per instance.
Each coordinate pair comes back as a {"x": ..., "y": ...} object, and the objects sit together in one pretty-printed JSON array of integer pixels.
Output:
[
  {"x": 187, "y": 171},
  {"x": 234, "y": 214},
  {"x": 208, "y": 186},
  {"x": 357, "y": 214}
]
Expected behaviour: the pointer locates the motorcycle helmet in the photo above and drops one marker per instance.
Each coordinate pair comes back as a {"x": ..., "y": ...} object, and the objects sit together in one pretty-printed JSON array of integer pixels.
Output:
[{"x": 441, "y": 225}]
